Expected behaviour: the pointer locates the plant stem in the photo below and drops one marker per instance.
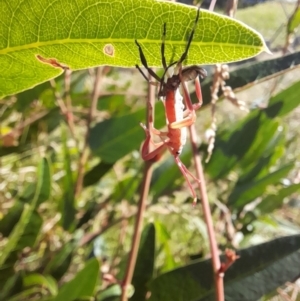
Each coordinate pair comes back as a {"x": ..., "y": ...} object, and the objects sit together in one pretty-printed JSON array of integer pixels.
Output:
[
  {"x": 140, "y": 214},
  {"x": 85, "y": 151},
  {"x": 216, "y": 263},
  {"x": 137, "y": 230},
  {"x": 69, "y": 112}
]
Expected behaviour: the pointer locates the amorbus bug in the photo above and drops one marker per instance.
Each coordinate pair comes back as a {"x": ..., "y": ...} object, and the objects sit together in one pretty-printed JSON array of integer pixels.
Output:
[{"x": 178, "y": 116}]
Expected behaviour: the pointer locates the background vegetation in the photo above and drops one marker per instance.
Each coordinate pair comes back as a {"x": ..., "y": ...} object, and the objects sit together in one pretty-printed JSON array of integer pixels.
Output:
[{"x": 71, "y": 173}]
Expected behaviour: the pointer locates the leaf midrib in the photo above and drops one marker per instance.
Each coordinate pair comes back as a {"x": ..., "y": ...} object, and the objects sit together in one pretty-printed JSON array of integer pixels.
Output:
[{"x": 110, "y": 40}]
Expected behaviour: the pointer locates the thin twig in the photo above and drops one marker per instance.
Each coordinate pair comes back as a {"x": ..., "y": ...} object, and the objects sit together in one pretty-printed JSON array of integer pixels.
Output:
[
  {"x": 231, "y": 7},
  {"x": 86, "y": 239},
  {"x": 69, "y": 111},
  {"x": 60, "y": 102},
  {"x": 219, "y": 285},
  {"x": 212, "y": 5},
  {"x": 140, "y": 215},
  {"x": 17, "y": 131},
  {"x": 290, "y": 34},
  {"x": 85, "y": 151},
  {"x": 216, "y": 263}
]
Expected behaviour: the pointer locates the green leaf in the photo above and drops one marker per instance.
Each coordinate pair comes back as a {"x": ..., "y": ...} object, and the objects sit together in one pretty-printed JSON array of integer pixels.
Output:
[
  {"x": 163, "y": 237},
  {"x": 30, "y": 194},
  {"x": 167, "y": 175},
  {"x": 284, "y": 102},
  {"x": 59, "y": 263},
  {"x": 259, "y": 270},
  {"x": 30, "y": 232},
  {"x": 247, "y": 192},
  {"x": 232, "y": 145},
  {"x": 246, "y": 141},
  {"x": 16, "y": 234},
  {"x": 44, "y": 177},
  {"x": 82, "y": 285},
  {"x": 294, "y": 21},
  {"x": 10, "y": 281},
  {"x": 96, "y": 173},
  {"x": 114, "y": 138},
  {"x": 250, "y": 72},
  {"x": 115, "y": 104},
  {"x": 8, "y": 222},
  {"x": 110, "y": 294},
  {"x": 145, "y": 264},
  {"x": 30, "y": 219},
  {"x": 94, "y": 32},
  {"x": 26, "y": 294},
  {"x": 37, "y": 279},
  {"x": 23, "y": 235},
  {"x": 27, "y": 228},
  {"x": 125, "y": 189},
  {"x": 272, "y": 202},
  {"x": 68, "y": 201},
  {"x": 259, "y": 156}
]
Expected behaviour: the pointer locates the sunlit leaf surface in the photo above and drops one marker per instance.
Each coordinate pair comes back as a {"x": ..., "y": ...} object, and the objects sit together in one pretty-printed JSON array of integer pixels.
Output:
[{"x": 39, "y": 39}]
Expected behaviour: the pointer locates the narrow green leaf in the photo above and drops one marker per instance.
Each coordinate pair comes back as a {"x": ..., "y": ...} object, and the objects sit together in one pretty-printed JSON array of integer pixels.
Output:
[
  {"x": 35, "y": 279},
  {"x": 125, "y": 189},
  {"x": 44, "y": 177},
  {"x": 294, "y": 21},
  {"x": 26, "y": 294},
  {"x": 163, "y": 237},
  {"x": 270, "y": 137},
  {"x": 30, "y": 232},
  {"x": 284, "y": 102},
  {"x": 59, "y": 263},
  {"x": 232, "y": 145},
  {"x": 112, "y": 293},
  {"x": 250, "y": 72},
  {"x": 10, "y": 281},
  {"x": 29, "y": 218},
  {"x": 96, "y": 173},
  {"x": 145, "y": 264},
  {"x": 8, "y": 222},
  {"x": 92, "y": 32},
  {"x": 27, "y": 228},
  {"x": 16, "y": 234},
  {"x": 82, "y": 285},
  {"x": 33, "y": 193},
  {"x": 68, "y": 201},
  {"x": 272, "y": 202},
  {"x": 244, "y": 142},
  {"x": 259, "y": 270},
  {"x": 245, "y": 193}
]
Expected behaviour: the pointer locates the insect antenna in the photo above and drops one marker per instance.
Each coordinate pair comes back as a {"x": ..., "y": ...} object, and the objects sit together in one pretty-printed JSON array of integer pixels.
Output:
[
  {"x": 162, "y": 48},
  {"x": 184, "y": 55},
  {"x": 145, "y": 64}
]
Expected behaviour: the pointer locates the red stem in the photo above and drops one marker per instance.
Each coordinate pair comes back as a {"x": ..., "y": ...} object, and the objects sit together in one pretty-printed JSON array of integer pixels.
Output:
[
  {"x": 219, "y": 285},
  {"x": 140, "y": 215}
]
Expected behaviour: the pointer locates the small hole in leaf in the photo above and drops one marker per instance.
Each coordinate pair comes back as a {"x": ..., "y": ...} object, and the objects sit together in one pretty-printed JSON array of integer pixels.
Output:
[{"x": 109, "y": 50}]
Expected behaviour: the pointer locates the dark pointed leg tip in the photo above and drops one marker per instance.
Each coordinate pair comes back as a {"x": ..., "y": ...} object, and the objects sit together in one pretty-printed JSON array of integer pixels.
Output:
[{"x": 195, "y": 200}]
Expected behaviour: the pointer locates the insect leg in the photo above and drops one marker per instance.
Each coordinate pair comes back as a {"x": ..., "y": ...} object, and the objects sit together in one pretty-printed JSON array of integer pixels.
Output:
[{"x": 185, "y": 173}]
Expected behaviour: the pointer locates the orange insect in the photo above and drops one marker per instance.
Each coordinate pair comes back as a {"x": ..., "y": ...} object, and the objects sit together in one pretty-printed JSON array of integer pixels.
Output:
[{"x": 178, "y": 116}]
